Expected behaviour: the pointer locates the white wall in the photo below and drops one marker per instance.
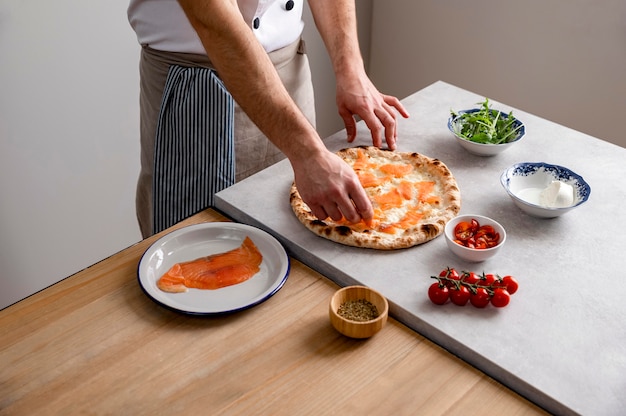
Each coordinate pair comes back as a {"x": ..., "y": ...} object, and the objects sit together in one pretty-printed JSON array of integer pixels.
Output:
[
  {"x": 68, "y": 139},
  {"x": 564, "y": 60}
]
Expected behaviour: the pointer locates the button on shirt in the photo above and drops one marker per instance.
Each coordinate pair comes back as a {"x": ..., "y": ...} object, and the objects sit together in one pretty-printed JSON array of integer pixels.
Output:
[{"x": 163, "y": 25}]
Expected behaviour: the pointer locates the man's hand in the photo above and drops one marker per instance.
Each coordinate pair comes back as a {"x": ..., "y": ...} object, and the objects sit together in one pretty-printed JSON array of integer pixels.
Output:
[
  {"x": 330, "y": 188},
  {"x": 356, "y": 95}
]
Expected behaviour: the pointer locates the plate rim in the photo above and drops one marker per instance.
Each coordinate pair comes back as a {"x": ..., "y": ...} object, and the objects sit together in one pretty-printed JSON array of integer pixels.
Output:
[{"x": 279, "y": 281}]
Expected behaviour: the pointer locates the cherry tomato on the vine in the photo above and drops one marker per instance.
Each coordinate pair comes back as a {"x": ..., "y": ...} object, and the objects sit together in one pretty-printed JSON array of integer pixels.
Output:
[
  {"x": 478, "y": 289},
  {"x": 481, "y": 298},
  {"x": 511, "y": 284},
  {"x": 438, "y": 293},
  {"x": 450, "y": 274},
  {"x": 460, "y": 296},
  {"x": 487, "y": 279},
  {"x": 471, "y": 278},
  {"x": 500, "y": 297}
]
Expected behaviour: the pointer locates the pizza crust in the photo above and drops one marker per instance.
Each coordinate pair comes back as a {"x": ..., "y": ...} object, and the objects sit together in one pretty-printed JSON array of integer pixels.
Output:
[{"x": 431, "y": 225}]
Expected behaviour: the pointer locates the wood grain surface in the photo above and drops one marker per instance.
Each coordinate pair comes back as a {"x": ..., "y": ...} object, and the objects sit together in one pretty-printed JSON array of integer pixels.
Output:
[{"x": 95, "y": 344}]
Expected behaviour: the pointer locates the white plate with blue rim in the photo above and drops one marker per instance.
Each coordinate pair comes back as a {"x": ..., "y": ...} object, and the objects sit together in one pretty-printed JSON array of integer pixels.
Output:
[{"x": 199, "y": 240}]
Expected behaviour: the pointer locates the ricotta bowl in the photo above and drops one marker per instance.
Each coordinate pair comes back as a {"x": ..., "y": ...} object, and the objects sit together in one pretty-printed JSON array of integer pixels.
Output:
[{"x": 544, "y": 190}]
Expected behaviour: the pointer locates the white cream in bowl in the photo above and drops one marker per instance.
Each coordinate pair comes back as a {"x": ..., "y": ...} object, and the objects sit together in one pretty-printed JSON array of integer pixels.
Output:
[
  {"x": 544, "y": 190},
  {"x": 556, "y": 195}
]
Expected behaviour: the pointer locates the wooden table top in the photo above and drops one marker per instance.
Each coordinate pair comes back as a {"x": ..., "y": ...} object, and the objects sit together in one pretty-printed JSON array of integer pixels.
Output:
[{"x": 94, "y": 343}]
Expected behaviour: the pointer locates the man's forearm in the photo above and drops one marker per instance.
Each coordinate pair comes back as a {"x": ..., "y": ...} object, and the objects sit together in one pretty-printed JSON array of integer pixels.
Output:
[
  {"x": 246, "y": 70},
  {"x": 336, "y": 22}
]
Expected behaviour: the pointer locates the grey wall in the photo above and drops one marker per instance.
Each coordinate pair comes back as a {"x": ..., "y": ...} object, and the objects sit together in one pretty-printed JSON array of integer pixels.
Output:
[
  {"x": 328, "y": 120},
  {"x": 69, "y": 148},
  {"x": 563, "y": 60}
]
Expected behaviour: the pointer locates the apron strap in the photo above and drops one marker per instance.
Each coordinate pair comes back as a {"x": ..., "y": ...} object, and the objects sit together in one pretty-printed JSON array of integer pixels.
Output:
[{"x": 194, "y": 154}]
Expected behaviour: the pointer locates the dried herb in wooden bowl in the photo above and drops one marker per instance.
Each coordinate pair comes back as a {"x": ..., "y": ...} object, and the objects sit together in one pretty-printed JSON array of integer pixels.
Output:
[{"x": 359, "y": 310}]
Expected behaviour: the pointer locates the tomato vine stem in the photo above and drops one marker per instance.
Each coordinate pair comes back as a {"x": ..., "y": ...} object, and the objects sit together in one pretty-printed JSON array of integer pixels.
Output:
[{"x": 457, "y": 283}]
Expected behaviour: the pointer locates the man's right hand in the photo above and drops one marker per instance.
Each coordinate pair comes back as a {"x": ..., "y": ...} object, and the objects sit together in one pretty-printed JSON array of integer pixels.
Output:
[{"x": 329, "y": 186}]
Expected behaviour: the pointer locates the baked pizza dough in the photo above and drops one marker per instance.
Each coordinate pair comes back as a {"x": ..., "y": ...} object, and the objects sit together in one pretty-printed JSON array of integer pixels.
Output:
[{"x": 413, "y": 196}]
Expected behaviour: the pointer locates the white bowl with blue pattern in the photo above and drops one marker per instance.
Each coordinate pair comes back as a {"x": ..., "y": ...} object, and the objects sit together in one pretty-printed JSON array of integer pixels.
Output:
[{"x": 525, "y": 181}]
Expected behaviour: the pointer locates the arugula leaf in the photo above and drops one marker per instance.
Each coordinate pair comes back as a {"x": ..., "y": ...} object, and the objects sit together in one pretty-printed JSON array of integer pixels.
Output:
[{"x": 485, "y": 125}]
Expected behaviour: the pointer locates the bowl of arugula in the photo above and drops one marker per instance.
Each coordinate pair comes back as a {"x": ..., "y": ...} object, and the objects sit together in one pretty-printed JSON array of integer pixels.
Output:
[{"x": 484, "y": 131}]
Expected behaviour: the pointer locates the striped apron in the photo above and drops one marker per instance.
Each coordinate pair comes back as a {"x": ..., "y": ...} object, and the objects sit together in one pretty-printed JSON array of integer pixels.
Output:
[
  {"x": 193, "y": 156},
  {"x": 195, "y": 140}
]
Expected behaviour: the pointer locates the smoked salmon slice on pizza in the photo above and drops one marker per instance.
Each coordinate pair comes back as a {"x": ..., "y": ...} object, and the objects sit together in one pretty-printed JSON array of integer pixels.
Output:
[{"x": 413, "y": 197}]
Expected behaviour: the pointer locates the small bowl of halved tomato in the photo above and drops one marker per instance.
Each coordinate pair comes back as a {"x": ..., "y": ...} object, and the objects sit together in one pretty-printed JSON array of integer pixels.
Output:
[{"x": 474, "y": 238}]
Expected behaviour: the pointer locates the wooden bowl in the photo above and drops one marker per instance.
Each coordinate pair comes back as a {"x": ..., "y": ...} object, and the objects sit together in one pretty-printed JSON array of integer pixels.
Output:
[{"x": 353, "y": 328}]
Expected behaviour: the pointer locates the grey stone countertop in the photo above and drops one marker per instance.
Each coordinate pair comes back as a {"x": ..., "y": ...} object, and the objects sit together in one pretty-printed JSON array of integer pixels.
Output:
[{"x": 561, "y": 342}]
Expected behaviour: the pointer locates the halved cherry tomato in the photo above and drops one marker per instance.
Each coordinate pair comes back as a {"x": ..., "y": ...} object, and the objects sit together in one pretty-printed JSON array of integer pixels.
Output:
[
  {"x": 473, "y": 235},
  {"x": 464, "y": 230},
  {"x": 481, "y": 243},
  {"x": 487, "y": 230},
  {"x": 438, "y": 293},
  {"x": 494, "y": 242}
]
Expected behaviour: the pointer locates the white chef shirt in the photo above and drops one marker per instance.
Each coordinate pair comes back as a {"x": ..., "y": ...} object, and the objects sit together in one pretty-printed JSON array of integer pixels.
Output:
[{"x": 163, "y": 25}]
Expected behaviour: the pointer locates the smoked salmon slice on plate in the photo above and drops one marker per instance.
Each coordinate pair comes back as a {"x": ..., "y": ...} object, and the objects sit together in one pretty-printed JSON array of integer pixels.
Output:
[
  {"x": 215, "y": 271},
  {"x": 213, "y": 268}
]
